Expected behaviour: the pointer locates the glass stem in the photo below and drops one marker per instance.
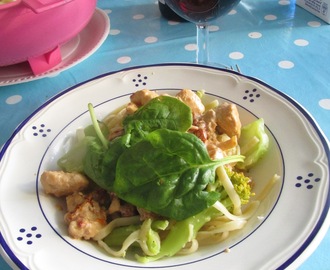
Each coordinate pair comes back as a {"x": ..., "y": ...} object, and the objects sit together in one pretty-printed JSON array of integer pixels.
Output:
[{"x": 202, "y": 55}]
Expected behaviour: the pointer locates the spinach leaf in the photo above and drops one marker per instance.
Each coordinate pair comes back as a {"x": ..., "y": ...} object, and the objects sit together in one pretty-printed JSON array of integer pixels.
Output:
[
  {"x": 167, "y": 173},
  {"x": 101, "y": 156},
  {"x": 100, "y": 163},
  {"x": 160, "y": 112}
]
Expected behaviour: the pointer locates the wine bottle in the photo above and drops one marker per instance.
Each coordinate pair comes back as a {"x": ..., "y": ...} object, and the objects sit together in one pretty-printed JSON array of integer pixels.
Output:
[{"x": 168, "y": 13}]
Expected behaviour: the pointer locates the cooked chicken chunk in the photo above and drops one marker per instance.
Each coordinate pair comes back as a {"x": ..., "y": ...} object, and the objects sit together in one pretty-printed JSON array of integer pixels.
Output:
[
  {"x": 131, "y": 108},
  {"x": 115, "y": 204},
  {"x": 142, "y": 97},
  {"x": 192, "y": 100},
  {"x": 74, "y": 200},
  {"x": 61, "y": 183},
  {"x": 228, "y": 119},
  {"x": 204, "y": 127},
  {"x": 86, "y": 220},
  {"x": 122, "y": 208}
]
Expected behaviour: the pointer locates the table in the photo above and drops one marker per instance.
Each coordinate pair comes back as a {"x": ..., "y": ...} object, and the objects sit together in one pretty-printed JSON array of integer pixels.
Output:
[{"x": 273, "y": 40}]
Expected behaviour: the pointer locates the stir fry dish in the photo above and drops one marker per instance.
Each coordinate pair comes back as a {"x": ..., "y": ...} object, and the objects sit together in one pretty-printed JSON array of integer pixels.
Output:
[{"x": 161, "y": 176}]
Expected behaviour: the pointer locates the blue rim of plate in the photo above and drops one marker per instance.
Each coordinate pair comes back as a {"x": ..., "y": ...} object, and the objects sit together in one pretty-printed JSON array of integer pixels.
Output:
[{"x": 310, "y": 119}]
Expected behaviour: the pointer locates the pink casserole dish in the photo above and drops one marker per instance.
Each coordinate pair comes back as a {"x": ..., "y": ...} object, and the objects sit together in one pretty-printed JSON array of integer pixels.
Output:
[{"x": 34, "y": 30}]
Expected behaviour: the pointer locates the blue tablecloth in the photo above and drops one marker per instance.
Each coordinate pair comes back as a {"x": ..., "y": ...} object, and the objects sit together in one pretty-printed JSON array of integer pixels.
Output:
[{"x": 275, "y": 41}]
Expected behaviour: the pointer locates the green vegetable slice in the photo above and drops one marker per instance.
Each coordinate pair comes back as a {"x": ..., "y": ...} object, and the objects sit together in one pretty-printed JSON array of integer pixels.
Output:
[
  {"x": 254, "y": 143},
  {"x": 181, "y": 233},
  {"x": 91, "y": 137},
  {"x": 73, "y": 160}
]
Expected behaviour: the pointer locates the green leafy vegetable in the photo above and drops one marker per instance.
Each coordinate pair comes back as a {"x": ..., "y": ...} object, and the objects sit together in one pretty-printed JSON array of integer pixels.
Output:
[
  {"x": 97, "y": 157},
  {"x": 254, "y": 143},
  {"x": 167, "y": 173},
  {"x": 100, "y": 164},
  {"x": 94, "y": 155},
  {"x": 184, "y": 231},
  {"x": 161, "y": 112}
]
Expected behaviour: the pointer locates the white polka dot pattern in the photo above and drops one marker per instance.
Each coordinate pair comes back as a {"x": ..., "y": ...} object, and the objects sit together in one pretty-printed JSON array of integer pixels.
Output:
[
  {"x": 286, "y": 64},
  {"x": 124, "y": 60},
  {"x": 13, "y": 99},
  {"x": 263, "y": 38},
  {"x": 274, "y": 40},
  {"x": 325, "y": 104}
]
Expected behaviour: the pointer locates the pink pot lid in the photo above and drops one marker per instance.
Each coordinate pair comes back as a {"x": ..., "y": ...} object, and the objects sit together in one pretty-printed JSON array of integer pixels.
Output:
[{"x": 39, "y": 46}]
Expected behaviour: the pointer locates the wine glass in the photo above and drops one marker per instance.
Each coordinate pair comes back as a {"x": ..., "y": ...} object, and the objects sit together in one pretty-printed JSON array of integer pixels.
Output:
[{"x": 201, "y": 12}]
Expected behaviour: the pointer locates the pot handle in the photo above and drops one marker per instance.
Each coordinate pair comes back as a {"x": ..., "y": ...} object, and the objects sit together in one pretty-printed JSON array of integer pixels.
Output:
[{"x": 44, "y": 5}]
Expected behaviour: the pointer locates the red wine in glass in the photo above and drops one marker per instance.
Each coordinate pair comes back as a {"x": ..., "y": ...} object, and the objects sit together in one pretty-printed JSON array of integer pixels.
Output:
[
  {"x": 168, "y": 13},
  {"x": 201, "y": 12}
]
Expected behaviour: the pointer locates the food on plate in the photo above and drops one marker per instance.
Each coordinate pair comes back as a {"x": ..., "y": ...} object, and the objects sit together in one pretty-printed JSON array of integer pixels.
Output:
[
  {"x": 60, "y": 183},
  {"x": 163, "y": 175}
]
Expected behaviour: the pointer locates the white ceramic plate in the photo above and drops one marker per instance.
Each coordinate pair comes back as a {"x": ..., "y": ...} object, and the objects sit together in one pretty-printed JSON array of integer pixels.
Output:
[
  {"x": 281, "y": 233},
  {"x": 73, "y": 52}
]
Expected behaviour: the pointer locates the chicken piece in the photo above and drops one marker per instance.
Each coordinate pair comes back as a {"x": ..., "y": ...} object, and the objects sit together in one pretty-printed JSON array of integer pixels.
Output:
[
  {"x": 120, "y": 207},
  {"x": 131, "y": 108},
  {"x": 142, "y": 97},
  {"x": 227, "y": 119},
  {"x": 86, "y": 220},
  {"x": 74, "y": 200},
  {"x": 209, "y": 119},
  {"x": 228, "y": 143},
  {"x": 115, "y": 204},
  {"x": 199, "y": 130},
  {"x": 192, "y": 100},
  {"x": 61, "y": 183},
  {"x": 204, "y": 128}
]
